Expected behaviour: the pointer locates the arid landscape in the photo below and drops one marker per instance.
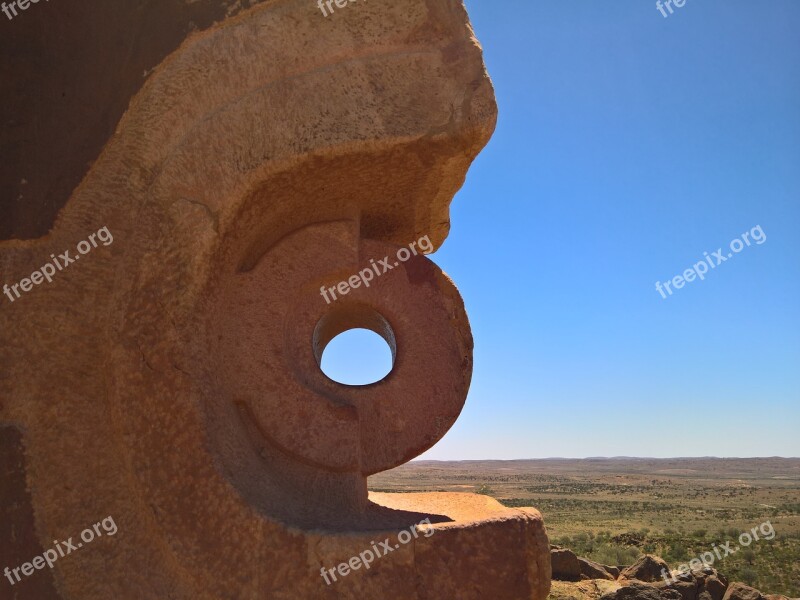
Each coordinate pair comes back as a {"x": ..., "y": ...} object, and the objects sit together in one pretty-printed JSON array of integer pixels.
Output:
[{"x": 613, "y": 510}]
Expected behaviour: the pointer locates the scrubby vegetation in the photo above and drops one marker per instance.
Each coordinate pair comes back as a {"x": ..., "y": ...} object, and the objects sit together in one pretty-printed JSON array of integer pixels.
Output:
[
  {"x": 612, "y": 511},
  {"x": 767, "y": 565}
]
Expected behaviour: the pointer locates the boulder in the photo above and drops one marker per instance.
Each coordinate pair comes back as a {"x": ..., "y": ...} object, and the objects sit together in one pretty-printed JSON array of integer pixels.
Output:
[
  {"x": 715, "y": 587},
  {"x": 582, "y": 590},
  {"x": 635, "y": 591},
  {"x": 565, "y": 565},
  {"x": 686, "y": 589},
  {"x": 648, "y": 568},
  {"x": 593, "y": 570},
  {"x": 613, "y": 571},
  {"x": 740, "y": 591}
]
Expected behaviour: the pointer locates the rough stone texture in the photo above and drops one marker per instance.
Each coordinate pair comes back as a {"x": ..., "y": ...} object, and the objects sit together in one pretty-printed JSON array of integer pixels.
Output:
[
  {"x": 687, "y": 589},
  {"x": 647, "y": 568},
  {"x": 636, "y": 591},
  {"x": 61, "y": 101},
  {"x": 705, "y": 584},
  {"x": 740, "y": 591},
  {"x": 478, "y": 555},
  {"x": 171, "y": 379},
  {"x": 569, "y": 567},
  {"x": 566, "y": 566},
  {"x": 715, "y": 586},
  {"x": 593, "y": 570},
  {"x": 582, "y": 590},
  {"x": 17, "y": 531}
]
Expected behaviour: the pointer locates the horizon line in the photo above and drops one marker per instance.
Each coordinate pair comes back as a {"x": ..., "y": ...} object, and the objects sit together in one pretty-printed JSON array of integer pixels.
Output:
[{"x": 606, "y": 458}]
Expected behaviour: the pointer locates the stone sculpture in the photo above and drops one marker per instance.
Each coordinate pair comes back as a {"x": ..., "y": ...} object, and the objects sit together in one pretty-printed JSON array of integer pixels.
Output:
[{"x": 171, "y": 378}]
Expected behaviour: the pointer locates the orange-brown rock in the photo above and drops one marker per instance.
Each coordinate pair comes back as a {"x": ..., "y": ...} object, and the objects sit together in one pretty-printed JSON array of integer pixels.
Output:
[
  {"x": 740, "y": 591},
  {"x": 567, "y": 566},
  {"x": 647, "y": 568},
  {"x": 171, "y": 378}
]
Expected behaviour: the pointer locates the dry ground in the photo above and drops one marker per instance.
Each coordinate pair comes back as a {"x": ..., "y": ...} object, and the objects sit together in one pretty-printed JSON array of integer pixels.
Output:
[{"x": 612, "y": 510}]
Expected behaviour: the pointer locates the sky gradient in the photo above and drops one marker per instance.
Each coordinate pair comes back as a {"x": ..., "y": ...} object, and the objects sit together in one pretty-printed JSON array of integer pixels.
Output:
[{"x": 628, "y": 145}]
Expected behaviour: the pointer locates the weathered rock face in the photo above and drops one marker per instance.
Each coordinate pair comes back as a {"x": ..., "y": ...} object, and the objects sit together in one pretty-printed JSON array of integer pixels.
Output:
[
  {"x": 639, "y": 591},
  {"x": 170, "y": 378},
  {"x": 593, "y": 570},
  {"x": 648, "y": 568},
  {"x": 713, "y": 584},
  {"x": 740, "y": 591},
  {"x": 565, "y": 564},
  {"x": 640, "y": 584},
  {"x": 569, "y": 567}
]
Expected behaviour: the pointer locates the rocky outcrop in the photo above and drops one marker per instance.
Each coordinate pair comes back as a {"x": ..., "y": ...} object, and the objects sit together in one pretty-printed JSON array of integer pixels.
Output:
[
  {"x": 740, "y": 591},
  {"x": 567, "y": 566},
  {"x": 594, "y": 570},
  {"x": 649, "y": 578},
  {"x": 648, "y": 568},
  {"x": 713, "y": 585},
  {"x": 638, "y": 591}
]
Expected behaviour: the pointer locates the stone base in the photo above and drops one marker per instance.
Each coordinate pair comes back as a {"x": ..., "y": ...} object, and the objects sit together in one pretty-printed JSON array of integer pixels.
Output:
[{"x": 475, "y": 548}]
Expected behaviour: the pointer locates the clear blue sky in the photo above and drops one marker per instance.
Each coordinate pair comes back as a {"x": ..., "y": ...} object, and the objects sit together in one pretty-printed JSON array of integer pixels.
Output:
[{"x": 627, "y": 145}]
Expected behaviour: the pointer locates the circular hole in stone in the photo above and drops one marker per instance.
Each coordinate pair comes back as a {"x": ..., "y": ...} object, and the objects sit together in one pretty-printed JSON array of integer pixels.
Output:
[
  {"x": 363, "y": 346},
  {"x": 357, "y": 357}
]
